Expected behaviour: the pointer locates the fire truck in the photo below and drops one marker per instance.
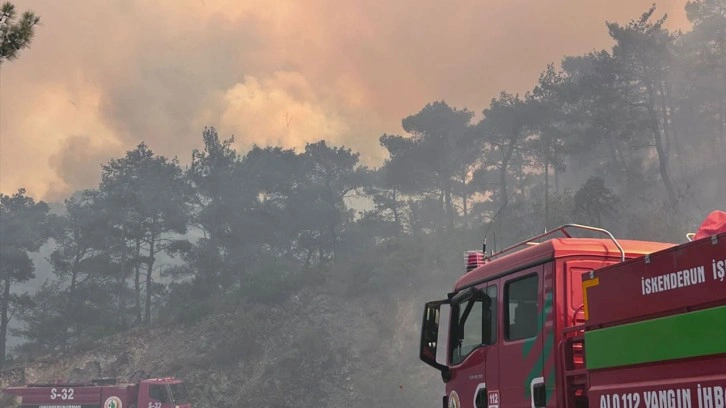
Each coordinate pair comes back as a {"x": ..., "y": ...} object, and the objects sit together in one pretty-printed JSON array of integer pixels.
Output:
[
  {"x": 567, "y": 321},
  {"x": 166, "y": 392}
]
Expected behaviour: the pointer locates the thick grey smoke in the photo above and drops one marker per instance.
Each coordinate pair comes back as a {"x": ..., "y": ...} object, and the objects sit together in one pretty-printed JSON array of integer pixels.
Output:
[{"x": 283, "y": 72}]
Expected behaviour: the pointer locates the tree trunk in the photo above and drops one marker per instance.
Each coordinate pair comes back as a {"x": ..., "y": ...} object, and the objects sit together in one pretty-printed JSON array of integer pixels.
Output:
[
  {"x": 464, "y": 196},
  {"x": 660, "y": 149},
  {"x": 506, "y": 156},
  {"x": 667, "y": 139},
  {"x": 722, "y": 122},
  {"x": 449, "y": 206},
  {"x": 70, "y": 302},
  {"x": 503, "y": 184},
  {"x": 137, "y": 282},
  {"x": 121, "y": 281},
  {"x": 617, "y": 161},
  {"x": 332, "y": 225},
  {"x": 308, "y": 258},
  {"x": 669, "y": 126},
  {"x": 547, "y": 194},
  {"x": 464, "y": 201},
  {"x": 557, "y": 181},
  {"x": 333, "y": 238},
  {"x": 4, "y": 319},
  {"x": 147, "y": 311}
]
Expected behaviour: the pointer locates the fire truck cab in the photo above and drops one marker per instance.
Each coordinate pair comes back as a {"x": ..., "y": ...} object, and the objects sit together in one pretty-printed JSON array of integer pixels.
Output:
[
  {"x": 496, "y": 337},
  {"x": 166, "y": 392}
]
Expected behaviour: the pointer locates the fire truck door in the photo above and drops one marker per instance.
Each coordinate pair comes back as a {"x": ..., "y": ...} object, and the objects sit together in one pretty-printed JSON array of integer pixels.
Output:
[
  {"x": 471, "y": 340},
  {"x": 489, "y": 396},
  {"x": 521, "y": 372}
]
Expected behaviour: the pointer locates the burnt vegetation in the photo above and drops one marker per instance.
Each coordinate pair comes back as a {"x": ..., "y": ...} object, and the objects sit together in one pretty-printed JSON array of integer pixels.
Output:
[{"x": 632, "y": 139}]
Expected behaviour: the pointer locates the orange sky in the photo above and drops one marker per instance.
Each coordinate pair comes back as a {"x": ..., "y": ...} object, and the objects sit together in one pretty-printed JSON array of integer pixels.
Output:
[{"x": 102, "y": 76}]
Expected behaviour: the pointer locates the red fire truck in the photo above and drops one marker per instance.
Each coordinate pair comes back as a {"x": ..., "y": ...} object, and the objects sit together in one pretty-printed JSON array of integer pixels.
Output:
[
  {"x": 104, "y": 393},
  {"x": 567, "y": 322}
]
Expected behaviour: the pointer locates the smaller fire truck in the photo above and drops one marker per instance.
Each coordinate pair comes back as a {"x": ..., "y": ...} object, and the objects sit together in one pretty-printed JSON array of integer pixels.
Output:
[{"x": 166, "y": 392}]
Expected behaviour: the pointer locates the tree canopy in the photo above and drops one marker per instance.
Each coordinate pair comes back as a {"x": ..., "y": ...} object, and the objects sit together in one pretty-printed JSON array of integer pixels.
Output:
[
  {"x": 612, "y": 137},
  {"x": 15, "y": 34}
]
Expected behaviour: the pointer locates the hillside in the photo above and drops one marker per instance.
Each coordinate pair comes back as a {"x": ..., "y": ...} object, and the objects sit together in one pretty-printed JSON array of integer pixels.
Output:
[
  {"x": 316, "y": 348},
  {"x": 350, "y": 341}
]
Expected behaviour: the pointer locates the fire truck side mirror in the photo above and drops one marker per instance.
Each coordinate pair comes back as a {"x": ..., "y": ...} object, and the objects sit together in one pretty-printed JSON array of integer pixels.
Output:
[{"x": 431, "y": 337}]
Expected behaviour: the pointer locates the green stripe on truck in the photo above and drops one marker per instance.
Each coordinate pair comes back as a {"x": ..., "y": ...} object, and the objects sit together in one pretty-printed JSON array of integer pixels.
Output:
[{"x": 692, "y": 334}]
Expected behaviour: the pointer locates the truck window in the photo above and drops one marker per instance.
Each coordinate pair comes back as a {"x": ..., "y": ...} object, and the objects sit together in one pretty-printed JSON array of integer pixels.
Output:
[
  {"x": 179, "y": 393},
  {"x": 575, "y": 274},
  {"x": 490, "y": 317},
  {"x": 467, "y": 329},
  {"x": 474, "y": 326},
  {"x": 521, "y": 299},
  {"x": 158, "y": 393}
]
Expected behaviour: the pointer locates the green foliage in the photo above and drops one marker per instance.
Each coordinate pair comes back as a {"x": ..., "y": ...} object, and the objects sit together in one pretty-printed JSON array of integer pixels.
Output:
[
  {"x": 241, "y": 339},
  {"x": 270, "y": 281},
  {"x": 24, "y": 222},
  {"x": 24, "y": 227},
  {"x": 15, "y": 34},
  {"x": 701, "y": 77},
  {"x": 548, "y": 121},
  {"x": 531, "y": 215},
  {"x": 8, "y": 401},
  {"x": 643, "y": 57},
  {"x": 654, "y": 221},
  {"x": 593, "y": 201},
  {"x": 43, "y": 321},
  {"x": 437, "y": 158},
  {"x": 149, "y": 198}
]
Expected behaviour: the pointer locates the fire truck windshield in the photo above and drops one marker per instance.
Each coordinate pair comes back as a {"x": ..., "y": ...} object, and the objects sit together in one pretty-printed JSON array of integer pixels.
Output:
[{"x": 179, "y": 393}]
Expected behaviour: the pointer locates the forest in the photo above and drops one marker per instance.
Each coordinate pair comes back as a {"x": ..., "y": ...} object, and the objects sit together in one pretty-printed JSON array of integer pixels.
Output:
[{"x": 632, "y": 139}]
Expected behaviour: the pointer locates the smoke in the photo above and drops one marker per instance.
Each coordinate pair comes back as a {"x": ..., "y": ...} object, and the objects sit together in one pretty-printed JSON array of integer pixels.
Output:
[
  {"x": 282, "y": 107},
  {"x": 78, "y": 162},
  {"x": 283, "y": 73}
]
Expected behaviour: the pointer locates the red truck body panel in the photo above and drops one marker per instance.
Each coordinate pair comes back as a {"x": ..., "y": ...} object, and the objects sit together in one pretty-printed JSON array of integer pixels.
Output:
[
  {"x": 679, "y": 278},
  {"x": 149, "y": 393},
  {"x": 656, "y": 330},
  {"x": 73, "y": 395}
]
